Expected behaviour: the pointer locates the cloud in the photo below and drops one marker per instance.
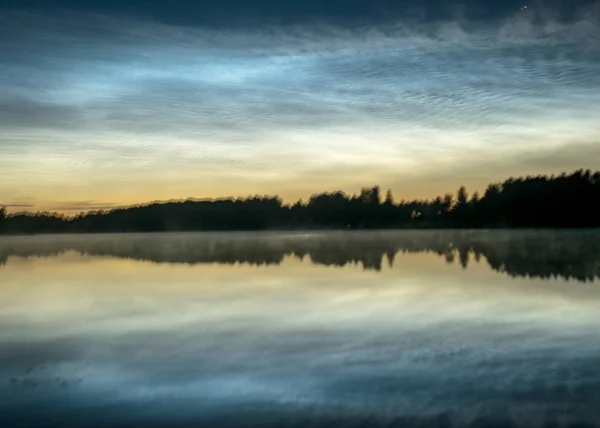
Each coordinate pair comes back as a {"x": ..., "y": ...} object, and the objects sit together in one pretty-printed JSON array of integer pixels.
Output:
[
  {"x": 20, "y": 113},
  {"x": 83, "y": 206},
  {"x": 132, "y": 98},
  {"x": 238, "y": 14},
  {"x": 214, "y": 89},
  {"x": 21, "y": 357},
  {"x": 13, "y": 205},
  {"x": 576, "y": 156}
]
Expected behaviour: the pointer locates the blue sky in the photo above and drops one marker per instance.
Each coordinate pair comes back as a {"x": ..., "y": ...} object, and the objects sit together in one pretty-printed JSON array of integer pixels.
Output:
[{"x": 109, "y": 105}]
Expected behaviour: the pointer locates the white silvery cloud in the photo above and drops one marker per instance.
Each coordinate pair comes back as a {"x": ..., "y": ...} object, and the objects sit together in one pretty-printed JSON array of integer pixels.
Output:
[{"x": 142, "y": 98}]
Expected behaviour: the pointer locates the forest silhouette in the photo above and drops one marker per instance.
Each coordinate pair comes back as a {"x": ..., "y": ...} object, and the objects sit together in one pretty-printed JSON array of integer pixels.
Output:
[
  {"x": 563, "y": 201},
  {"x": 571, "y": 255}
]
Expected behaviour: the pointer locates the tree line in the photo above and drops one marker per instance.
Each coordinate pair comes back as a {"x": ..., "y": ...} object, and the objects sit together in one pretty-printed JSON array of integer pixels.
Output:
[
  {"x": 557, "y": 201},
  {"x": 572, "y": 255}
]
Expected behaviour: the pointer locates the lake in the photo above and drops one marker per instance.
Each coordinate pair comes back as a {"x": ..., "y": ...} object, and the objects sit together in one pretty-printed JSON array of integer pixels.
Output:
[{"x": 358, "y": 329}]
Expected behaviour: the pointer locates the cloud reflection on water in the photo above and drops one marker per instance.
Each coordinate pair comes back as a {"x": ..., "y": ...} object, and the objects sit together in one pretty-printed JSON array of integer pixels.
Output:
[{"x": 243, "y": 329}]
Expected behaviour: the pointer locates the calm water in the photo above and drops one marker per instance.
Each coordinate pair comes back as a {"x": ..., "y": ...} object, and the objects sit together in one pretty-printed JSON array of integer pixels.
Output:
[{"x": 428, "y": 329}]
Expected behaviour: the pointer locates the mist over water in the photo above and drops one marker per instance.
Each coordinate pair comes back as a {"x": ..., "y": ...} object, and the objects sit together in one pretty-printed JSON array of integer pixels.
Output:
[{"x": 486, "y": 328}]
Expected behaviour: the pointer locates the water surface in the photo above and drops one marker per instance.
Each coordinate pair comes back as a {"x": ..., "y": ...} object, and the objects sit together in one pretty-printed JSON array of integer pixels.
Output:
[{"x": 428, "y": 329}]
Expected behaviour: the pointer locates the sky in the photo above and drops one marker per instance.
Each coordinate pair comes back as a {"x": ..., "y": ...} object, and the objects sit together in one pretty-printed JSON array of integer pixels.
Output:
[{"x": 110, "y": 103}]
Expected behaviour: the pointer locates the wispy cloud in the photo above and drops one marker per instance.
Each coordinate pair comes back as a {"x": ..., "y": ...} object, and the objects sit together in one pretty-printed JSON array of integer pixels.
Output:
[
  {"x": 92, "y": 97},
  {"x": 83, "y": 206},
  {"x": 13, "y": 205}
]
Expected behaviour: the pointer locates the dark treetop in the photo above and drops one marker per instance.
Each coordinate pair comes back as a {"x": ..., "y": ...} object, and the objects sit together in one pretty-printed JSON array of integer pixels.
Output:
[{"x": 564, "y": 201}]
